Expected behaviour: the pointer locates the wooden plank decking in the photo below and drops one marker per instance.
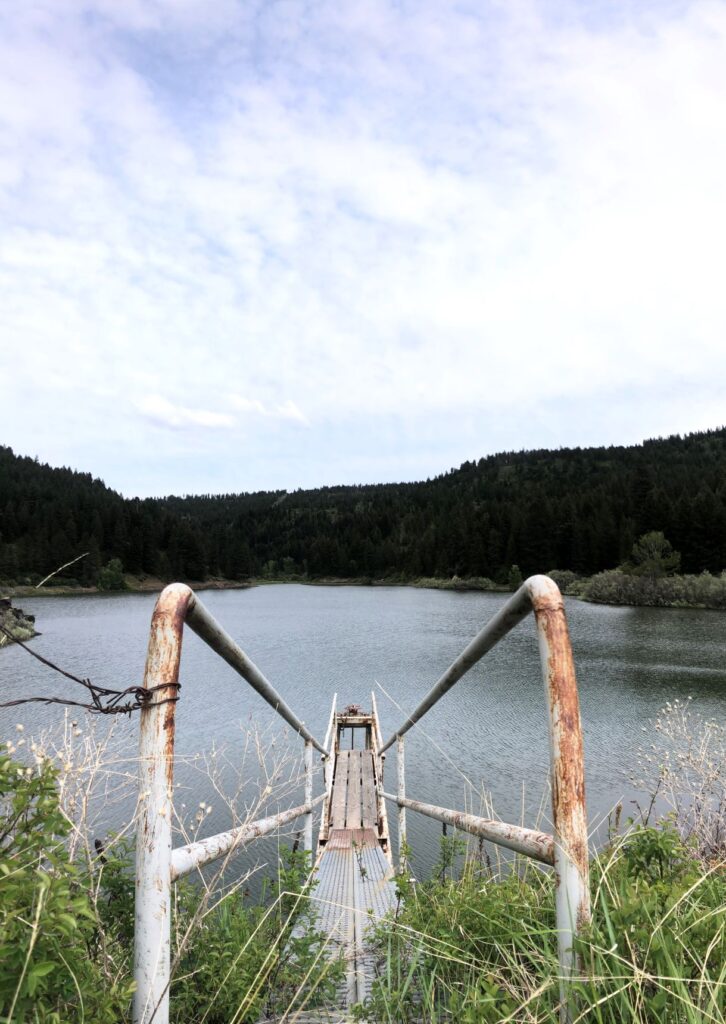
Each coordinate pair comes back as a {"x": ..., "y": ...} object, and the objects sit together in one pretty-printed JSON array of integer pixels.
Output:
[{"x": 354, "y": 791}]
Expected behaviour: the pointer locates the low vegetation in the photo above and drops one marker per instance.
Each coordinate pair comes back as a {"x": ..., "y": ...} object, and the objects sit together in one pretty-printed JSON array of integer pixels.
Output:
[
  {"x": 617, "y": 587},
  {"x": 482, "y": 948},
  {"x": 67, "y": 913},
  {"x": 475, "y": 943},
  {"x": 648, "y": 577}
]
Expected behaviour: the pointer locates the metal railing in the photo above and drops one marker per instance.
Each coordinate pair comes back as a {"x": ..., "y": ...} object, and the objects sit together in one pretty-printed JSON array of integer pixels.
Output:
[
  {"x": 567, "y": 850},
  {"x": 157, "y": 865}
]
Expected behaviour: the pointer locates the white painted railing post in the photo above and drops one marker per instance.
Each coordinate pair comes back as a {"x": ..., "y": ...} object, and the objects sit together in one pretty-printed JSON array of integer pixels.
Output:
[
  {"x": 308, "y": 825},
  {"x": 401, "y": 807},
  {"x": 155, "y": 870},
  {"x": 152, "y": 946}
]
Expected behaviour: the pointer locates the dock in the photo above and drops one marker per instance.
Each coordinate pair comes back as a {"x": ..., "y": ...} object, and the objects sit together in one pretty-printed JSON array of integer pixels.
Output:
[{"x": 354, "y": 868}]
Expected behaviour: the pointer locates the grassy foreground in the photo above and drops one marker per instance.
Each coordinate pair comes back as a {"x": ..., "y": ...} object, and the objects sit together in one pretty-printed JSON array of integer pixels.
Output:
[
  {"x": 472, "y": 944},
  {"x": 482, "y": 948}
]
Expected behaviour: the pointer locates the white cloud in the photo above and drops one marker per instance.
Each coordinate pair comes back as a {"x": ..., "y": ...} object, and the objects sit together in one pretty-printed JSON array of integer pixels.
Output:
[
  {"x": 164, "y": 413},
  {"x": 434, "y": 214},
  {"x": 287, "y": 410}
]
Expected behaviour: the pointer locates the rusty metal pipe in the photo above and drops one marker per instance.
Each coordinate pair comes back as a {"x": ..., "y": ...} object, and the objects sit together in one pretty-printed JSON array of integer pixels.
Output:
[
  {"x": 541, "y": 595},
  {"x": 195, "y": 855},
  {"x": 512, "y": 613},
  {"x": 537, "y": 845},
  {"x": 152, "y": 948},
  {"x": 207, "y": 627},
  {"x": 567, "y": 774}
]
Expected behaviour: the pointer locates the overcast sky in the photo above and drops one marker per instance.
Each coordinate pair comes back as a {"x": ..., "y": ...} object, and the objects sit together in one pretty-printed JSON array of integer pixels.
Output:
[{"x": 271, "y": 244}]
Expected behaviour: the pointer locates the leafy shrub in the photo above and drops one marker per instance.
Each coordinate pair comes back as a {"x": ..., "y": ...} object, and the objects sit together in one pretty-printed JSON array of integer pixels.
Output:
[
  {"x": 616, "y": 587},
  {"x": 51, "y": 968},
  {"x": 111, "y": 577},
  {"x": 66, "y": 932}
]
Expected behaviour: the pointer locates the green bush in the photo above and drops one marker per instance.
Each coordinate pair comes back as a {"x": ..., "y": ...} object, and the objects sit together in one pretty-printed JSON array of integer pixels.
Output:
[
  {"x": 51, "y": 967},
  {"x": 111, "y": 577},
  {"x": 66, "y": 932},
  {"x": 617, "y": 587}
]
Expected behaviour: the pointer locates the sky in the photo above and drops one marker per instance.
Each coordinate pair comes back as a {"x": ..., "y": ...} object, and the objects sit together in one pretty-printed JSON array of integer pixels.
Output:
[{"x": 279, "y": 244}]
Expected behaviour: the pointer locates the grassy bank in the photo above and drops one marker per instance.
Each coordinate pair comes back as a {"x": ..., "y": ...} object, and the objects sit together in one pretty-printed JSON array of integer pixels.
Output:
[
  {"x": 60, "y": 587},
  {"x": 482, "y": 947},
  {"x": 474, "y": 943},
  {"x": 621, "y": 588}
]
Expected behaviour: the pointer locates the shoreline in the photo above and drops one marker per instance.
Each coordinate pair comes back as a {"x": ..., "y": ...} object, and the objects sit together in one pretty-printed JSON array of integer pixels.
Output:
[
  {"x": 152, "y": 585},
  {"x": 134, "y": 585}
]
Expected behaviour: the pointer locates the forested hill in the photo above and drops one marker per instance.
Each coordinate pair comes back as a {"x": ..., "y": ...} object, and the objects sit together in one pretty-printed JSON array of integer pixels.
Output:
[{"x": 578, "y": 509}]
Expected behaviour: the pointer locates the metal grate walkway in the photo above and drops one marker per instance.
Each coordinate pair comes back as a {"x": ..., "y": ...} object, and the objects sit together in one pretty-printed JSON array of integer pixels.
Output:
[
  {"x": 354, "y": 891},
  {"x": 353, "y": 876}
]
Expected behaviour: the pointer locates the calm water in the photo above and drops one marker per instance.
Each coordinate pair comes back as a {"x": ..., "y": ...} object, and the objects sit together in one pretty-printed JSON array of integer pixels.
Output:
[{"x": 488, "y": 733}]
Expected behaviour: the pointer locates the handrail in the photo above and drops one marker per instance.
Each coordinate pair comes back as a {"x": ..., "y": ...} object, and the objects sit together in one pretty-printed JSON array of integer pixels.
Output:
[
  {"x": 177, "y": 604},
  {"x": 185, "y": 859},
  {"x": 207, "y": 627},
  {"x": 537, "y": 845},
  {"x": 539, "y": 594},
  {"x": 328, "y": 765},
  {"x": 329, "y": 741},
  {"x": 380, "y": 763},
  {"x": 536, "y": 594}
]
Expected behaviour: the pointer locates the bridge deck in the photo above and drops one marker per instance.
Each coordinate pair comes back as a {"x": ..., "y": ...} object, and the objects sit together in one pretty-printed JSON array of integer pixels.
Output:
[{"x": 354, "y": 873}]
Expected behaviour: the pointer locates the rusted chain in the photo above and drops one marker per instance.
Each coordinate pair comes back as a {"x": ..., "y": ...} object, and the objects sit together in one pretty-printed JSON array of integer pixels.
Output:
[{"x": 141, "y": 696}]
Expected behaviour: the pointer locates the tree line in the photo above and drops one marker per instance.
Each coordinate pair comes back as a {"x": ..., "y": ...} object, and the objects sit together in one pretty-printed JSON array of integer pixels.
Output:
[{"x": 578, "y": 509}]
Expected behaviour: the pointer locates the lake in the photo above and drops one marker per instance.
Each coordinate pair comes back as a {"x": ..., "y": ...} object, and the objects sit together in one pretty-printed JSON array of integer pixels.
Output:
[{"x": 488, "y": 734}]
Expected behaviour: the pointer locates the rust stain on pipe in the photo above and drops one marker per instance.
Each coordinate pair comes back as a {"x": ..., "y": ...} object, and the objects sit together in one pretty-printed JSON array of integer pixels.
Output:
[
  {"x": 568, "y": 776},
  {"x": 532, "y": 843}
]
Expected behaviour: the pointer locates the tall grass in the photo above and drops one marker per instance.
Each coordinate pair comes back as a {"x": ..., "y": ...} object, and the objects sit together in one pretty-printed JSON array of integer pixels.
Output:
[
  {"x": 66, "y": 913},
  {"x": 483, "y": 947},
  {"x": 476, "y": 943}
]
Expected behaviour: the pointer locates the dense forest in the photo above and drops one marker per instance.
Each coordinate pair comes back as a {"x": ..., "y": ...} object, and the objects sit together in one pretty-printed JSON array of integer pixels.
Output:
[{"x": 579, "y": 509}]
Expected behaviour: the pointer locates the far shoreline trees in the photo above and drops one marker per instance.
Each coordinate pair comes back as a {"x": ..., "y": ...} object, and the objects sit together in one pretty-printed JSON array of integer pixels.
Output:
[{"x": 580, "y": 510}]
